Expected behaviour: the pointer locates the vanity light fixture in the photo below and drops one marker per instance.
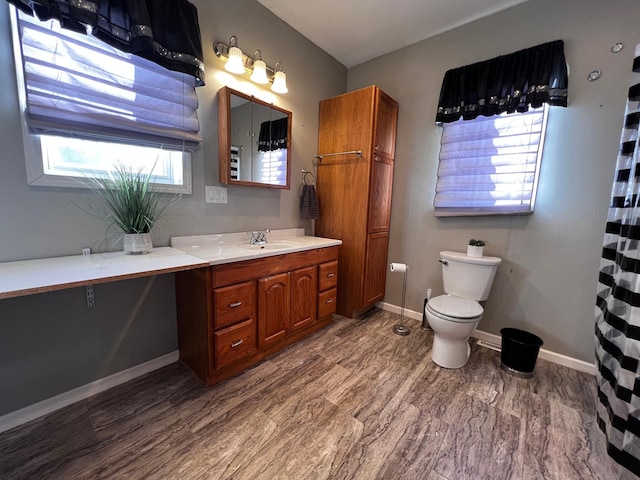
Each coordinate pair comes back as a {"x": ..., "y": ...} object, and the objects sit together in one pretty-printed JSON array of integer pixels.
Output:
[
  {"x": 235, "y": 62},
  {"x": 279, "y": 80},
  {"x": 259, "y": 74},
  {"x": 239, "y": 63}
]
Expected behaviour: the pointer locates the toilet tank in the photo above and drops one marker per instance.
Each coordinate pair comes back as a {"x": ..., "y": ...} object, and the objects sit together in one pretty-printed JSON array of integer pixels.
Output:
[{"x": 468, "y": 277}]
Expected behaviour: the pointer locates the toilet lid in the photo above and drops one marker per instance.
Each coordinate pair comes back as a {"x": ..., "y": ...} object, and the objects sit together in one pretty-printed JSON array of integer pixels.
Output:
[{"x": 456, "y": 307}]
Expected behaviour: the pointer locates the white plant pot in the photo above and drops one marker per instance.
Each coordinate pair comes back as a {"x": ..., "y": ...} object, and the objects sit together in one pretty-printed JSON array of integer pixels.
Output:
[
  {"x": 473, "y": 251},
  {"x": 137, "y": 243}
]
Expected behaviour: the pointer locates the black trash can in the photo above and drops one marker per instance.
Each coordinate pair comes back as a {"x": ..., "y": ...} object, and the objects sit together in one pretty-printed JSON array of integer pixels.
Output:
[{"x": 519, "y": 352}]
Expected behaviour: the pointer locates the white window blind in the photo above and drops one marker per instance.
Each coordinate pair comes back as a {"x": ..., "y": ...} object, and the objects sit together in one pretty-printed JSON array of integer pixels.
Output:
[
  {"x": 76, "y": 85},
  {"x": 490, "y": 165},
  {"x": 274, "y": 167}
]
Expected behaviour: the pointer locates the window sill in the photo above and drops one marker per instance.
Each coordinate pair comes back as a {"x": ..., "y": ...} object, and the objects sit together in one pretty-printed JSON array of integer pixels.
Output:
[{"x": 470, "y": 213}]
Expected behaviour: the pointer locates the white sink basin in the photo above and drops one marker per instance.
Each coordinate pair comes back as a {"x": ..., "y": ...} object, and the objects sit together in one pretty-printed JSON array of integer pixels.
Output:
[
  {"x": 221, "y": 248},
  {"x": 273, "y": 245}
]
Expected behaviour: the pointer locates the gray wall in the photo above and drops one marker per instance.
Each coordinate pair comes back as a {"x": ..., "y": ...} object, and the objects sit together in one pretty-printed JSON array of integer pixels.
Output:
[
  {"x": 547, "y": 282},
  {"x": 51, "y": 343}
]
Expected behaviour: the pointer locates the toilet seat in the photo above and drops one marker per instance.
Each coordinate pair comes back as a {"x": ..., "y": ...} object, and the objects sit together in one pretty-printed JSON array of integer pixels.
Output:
[{"x": 455, "y": 309}]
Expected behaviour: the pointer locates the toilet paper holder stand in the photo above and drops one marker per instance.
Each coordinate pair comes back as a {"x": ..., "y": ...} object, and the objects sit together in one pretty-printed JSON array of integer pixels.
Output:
[{"x": 401, "y": 328}]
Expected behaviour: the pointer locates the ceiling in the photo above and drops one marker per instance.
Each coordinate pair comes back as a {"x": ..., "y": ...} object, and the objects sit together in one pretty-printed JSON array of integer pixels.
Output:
[{"x": 355, "y": 31}]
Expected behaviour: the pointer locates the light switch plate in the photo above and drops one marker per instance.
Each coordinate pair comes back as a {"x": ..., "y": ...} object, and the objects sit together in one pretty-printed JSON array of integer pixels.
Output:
[{"x": 215, "y": 194}]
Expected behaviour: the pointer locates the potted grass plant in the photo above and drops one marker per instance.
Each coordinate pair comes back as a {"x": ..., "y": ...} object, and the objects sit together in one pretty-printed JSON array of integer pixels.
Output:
[
  {"x": 475, "y": 247},
  {"x": 130, "y": 205}
]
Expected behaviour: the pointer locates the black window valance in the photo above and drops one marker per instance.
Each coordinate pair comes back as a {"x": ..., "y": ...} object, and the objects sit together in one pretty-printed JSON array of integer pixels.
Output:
[
  {"x": 273, "y": 135},
  {"x": 509, "y": 83},
  {"x": 163, "y": 31}
]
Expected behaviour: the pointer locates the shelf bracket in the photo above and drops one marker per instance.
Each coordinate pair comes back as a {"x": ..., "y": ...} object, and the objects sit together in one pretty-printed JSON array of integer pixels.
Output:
[{"x": 91, "y": 299}]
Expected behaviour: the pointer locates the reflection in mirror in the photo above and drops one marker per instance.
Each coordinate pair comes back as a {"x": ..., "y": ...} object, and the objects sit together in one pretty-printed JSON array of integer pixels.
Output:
[{"x": 254, "y": 141}]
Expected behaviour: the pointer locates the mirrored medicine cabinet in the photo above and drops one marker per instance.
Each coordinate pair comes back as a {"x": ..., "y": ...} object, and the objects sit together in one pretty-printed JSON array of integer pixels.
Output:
[{"x": 254, "y": 143}]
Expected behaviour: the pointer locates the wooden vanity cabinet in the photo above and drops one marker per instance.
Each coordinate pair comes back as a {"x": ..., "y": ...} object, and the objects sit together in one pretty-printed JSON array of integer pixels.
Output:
[
  {"x": 233, "y": 315},
  {"x": 354, "y": 192}
]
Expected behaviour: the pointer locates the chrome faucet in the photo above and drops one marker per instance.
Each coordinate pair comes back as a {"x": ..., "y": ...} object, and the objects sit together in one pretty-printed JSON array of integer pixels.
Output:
[{"x": 259, "y": 238}]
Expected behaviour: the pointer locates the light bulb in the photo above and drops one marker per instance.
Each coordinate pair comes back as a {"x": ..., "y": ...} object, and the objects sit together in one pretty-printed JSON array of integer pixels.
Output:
[
  {"x": 279, "y": 83},
  {"x": 259, "y": 74},
  {"x": 234, "y": 63}
]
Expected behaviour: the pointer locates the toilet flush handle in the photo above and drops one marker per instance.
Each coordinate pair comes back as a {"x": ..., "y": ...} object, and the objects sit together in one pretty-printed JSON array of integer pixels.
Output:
[{"x": 443, "y": 261}]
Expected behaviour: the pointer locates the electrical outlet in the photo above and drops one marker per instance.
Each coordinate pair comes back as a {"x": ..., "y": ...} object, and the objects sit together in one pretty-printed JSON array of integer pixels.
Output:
[{"x": 215, "y": 194}]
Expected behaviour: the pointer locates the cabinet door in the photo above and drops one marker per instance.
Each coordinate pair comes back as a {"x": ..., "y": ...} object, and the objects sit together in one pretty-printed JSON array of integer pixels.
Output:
[
  {"x": 380, "y": 197},
  {"x": 386, "y": 121},
  {"x": 343, "y": 186},
  {"x": 274, "y": 301},
  {"x": 346, "y": 122},
  {"x": 375, "y": 273},
  {"x": 304, "y": 291}
]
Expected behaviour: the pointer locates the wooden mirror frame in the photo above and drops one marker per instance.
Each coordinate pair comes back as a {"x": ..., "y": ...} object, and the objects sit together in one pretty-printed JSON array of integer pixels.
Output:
[{"x": 224, "y": 138}]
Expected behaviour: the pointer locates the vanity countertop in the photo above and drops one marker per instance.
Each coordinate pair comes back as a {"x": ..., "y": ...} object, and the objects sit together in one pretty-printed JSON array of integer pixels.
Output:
[
  {"x": 28, "y": 277},
  {"x": 234, "y": 247}
]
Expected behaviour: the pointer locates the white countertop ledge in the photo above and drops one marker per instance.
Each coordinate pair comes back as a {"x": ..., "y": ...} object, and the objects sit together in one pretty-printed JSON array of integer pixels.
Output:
[
  {"x": 27, "y": 277},
  {"x": 223, "y": 248}
]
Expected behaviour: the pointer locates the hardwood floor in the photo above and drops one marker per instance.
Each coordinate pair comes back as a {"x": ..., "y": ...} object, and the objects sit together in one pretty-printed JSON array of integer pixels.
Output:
[{"x": 353, "y": 401}]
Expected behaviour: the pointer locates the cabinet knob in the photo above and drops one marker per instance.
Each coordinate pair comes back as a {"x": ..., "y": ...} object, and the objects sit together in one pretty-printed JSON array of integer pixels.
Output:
[
  {"x": 235, "y": 304},
  {"x": 376, "y": 158},
  {"x": 329, "y": 300},
  {"x": 376, "y": 147},
  {"x": 329, "y": 275},
  {"x": 237, "y": 343}
]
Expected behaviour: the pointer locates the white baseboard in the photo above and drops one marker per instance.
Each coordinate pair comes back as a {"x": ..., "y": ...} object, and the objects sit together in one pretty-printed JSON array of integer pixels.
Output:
[
  {"x": 395, "y": 309},
  {"x": 548, "y": 355},
  {"x": 52, "y": 404}
]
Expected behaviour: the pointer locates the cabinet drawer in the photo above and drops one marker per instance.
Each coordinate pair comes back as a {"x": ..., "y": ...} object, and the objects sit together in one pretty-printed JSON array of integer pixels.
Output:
[
  {"x": 327, "y": 275},
  {"x": 235, "y": 342},
  {"x": 233, "y": 303},
  {"x": 326, "y": 303}
]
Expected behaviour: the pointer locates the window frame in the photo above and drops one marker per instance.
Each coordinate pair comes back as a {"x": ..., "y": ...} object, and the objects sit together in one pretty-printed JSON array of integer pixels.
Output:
[
  {"x": 33, "y": 152},
  {"x": 496, "y": 210}
]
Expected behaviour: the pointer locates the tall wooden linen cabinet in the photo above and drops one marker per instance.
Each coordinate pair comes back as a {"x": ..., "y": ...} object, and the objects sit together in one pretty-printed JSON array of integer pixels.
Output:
[{"x": 354, "y": 191}]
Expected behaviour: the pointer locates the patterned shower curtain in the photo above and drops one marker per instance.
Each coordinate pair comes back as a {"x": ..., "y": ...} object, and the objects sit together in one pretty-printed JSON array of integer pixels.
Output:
[{"x": 618, "y": 302}]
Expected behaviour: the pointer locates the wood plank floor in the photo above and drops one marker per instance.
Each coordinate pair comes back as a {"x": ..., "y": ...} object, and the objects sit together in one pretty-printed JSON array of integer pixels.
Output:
[{"x": 353, "y": 401}]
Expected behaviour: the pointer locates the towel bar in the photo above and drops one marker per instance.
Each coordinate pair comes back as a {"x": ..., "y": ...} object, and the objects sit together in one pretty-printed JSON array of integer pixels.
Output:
[{"x": 352, "y": 152}]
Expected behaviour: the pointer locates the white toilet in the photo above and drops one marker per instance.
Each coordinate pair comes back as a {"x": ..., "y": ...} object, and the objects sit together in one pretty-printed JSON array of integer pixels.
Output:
[{"x": 454, "y": 316}]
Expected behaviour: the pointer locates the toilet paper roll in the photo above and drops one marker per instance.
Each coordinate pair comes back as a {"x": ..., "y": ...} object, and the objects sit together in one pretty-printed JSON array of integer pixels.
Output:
[{"x": 398, "y": 267}]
